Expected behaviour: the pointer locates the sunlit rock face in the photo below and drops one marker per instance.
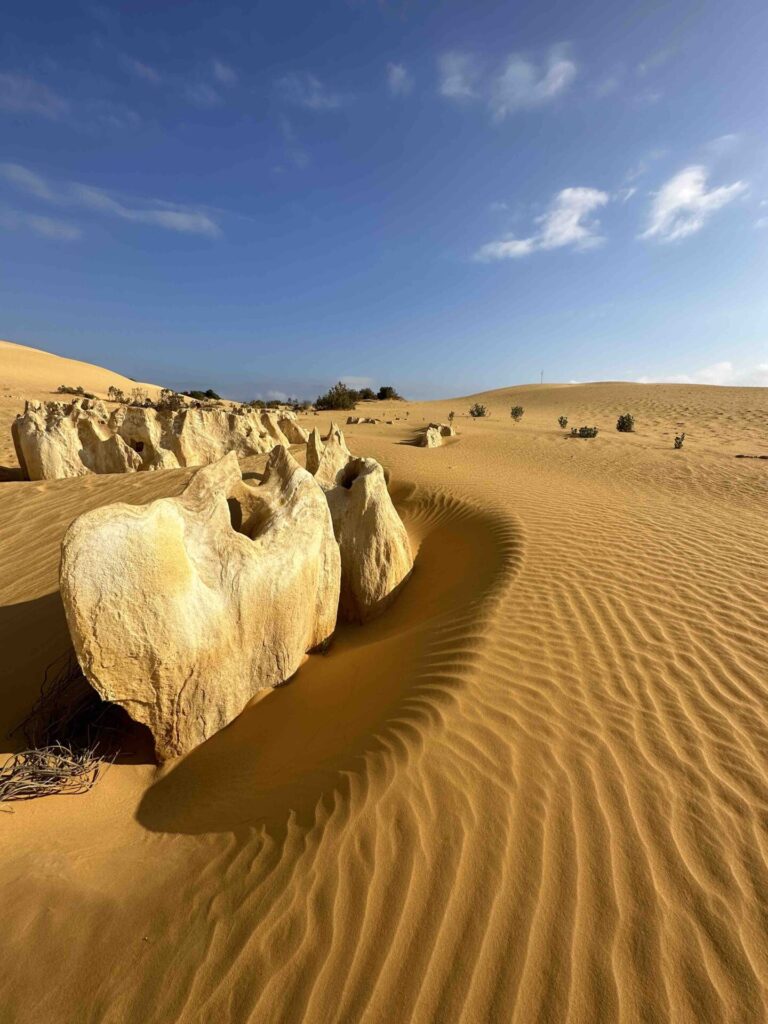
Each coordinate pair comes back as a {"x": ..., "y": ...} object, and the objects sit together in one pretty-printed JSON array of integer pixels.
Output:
[{"x": 181, "y": 617}]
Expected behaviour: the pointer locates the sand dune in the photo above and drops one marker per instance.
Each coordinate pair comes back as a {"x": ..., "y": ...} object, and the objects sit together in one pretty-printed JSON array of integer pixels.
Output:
[{"x": 535, "y": 790}]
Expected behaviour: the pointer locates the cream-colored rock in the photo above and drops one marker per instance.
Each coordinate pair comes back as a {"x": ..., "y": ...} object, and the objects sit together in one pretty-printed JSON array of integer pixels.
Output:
[
  {"x": 375, "y": 552},
  {"x": 61, "y": 439},
  {"x": 295, "y": 433},
  {"x": 205, "y": 435},
  {"x": 180, "y": 618},
  {"x": 444, "y": 429},
  {"x": 149, "y": 432},
  {"x": 431, "y": 438},
  {"x": 327, "y": 461},
  {"x": 271, "y": 424}
]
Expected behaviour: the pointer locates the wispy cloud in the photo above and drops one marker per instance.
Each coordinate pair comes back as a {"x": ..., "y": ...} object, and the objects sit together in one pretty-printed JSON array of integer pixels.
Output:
[
  {"x": 49, "y": 227},
  {"x": 223, "y": 73},
  {"x": 458, "y": 75},
  {"x": 723, "y": 373},
  {"x": 683, "y": 205},
  {"x": 294, "y": 150},
  {"x": 723, "y": 144},
  {"x": 202, "y": 94},
  {"x": 523, "y": 84},
  {"x": 305, "y": 90},
  {"x": 399, "y": 80},
  {"x": 567, "y": 222},
  {"x": 158, "y": 213},
  {"x": 20, "y": 94},
  {"x": 655, "y": 60},
  {"x": 142, "y": 71}
]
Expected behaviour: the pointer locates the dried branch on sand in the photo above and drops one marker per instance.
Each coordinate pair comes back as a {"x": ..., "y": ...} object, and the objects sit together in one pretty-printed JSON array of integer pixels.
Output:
[{"x": 71, "y": 733}]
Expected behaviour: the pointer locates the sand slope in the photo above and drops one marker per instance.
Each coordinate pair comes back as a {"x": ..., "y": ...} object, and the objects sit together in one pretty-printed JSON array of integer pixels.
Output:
[{"x": 536, "y": 790}]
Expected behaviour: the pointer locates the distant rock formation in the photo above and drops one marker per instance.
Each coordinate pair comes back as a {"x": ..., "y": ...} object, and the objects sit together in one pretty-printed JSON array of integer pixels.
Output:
[
  {"x": 181, "y": 617},
  {"x": 375, "y": 552},
  {"x": 431, "y": 438},
  {"x": 59, "y": 439},
  {"x": 55, "y": 439}
]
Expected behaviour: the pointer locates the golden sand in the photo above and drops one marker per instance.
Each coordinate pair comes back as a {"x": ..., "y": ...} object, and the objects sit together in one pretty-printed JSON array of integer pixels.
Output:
[{"x": 535, "y": 790}]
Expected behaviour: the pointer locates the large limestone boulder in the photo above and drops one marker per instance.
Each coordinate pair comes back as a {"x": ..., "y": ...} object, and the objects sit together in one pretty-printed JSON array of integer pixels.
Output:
[
  {"x": 444, "y": 429},
  {"x": 205, "y": 435},
  {"x": 151, "y": 433},
  {"x": 375, "y": 552},
  {"x": 60, "y": 439},
  {"x": 271, "y": 424},
  {"x": 181, "y": 618}
]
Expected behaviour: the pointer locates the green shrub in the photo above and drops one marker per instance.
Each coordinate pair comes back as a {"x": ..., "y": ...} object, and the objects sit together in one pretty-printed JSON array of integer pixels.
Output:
[
  {"x": 584, "y": 432},
  {"x": 367, "y": 394},
  {"x": 201, "y": 396},
  {"x": 451, "y": 416},
  {"x": 563, "y": 421},
  {"x": 478, "y": 410},
  {"x": 79, "y": 392},
  {"x": 625, "y": 424},
  {"x": 170, "y": 401},
  {"x": 679, "y": 439},
  {"x": 388, "y": 394},
  {"x": 117, "y": 395},
  {"x": 337, "y": 397},
  {"x": 516, "y": 412}
]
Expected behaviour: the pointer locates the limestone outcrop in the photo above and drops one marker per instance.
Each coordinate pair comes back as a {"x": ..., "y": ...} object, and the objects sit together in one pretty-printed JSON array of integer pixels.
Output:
[
  {"x": 431, "y": 438},
  {"x": 375, "y": 552},
  {"x": 295, "y": 433},
  {"x": 55, "y": 439},
  {"x": 60, "y": 439},
  {"x": 180, "y": 617},
  {"x": 444, "y": 429}
]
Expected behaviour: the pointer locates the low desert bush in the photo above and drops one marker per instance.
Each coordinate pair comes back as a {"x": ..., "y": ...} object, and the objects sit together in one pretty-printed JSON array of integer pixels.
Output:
[
  {"x": 679, "y": 440},
  {"x": 563, "y": 421},
  {"x": 202, "y": 396},
  {"x": 625, "y": 424},
  {"x": 516, "y": 412},
  {"x": 584, "y": 432},
  {"x": 451, "y": 416},
  {"x": 478, "y": 410},
  {"x": 63, "y": 389},
  {"x": 389, "y": 394},
  {"x": 337, "y": 397},
  {"x": 170, "y": 401},
  {"x": 117, "y": 395}
]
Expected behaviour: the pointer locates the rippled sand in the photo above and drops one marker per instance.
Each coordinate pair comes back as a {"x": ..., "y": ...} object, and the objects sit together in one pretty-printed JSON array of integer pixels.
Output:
[{"x": 535, "y": 790}]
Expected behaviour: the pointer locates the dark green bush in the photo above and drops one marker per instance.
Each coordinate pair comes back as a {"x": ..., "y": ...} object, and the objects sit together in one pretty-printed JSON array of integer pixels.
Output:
[
  {"x": 516, "y": 412},
  {"x": 201, "y": 396},
  {"x": 584, "y": 432},
  {"x": 79, "y": 392},
  {"x": 117, "y": 395},
  {"x": 625, "y": 424},
  {"x": 337, "y": 397},
  {"x": 478, "y": 410},
  {"x": 366, "y": 394},
  {"x": 563, "y": 421},
  {"x": 388, "y": 394}
]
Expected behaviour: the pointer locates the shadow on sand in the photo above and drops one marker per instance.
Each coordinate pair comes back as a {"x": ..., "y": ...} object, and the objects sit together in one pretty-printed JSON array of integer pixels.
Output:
[{"x": 361, "y": 706}]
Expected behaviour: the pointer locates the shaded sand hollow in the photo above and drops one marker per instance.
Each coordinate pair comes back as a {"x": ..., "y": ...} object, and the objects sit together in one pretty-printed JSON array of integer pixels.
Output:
[{"x": 535, "y": 790}]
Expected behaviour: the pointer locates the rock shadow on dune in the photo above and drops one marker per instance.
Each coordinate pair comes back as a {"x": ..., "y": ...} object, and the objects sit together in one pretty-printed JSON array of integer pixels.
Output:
[{"x": 360, "y": 707}]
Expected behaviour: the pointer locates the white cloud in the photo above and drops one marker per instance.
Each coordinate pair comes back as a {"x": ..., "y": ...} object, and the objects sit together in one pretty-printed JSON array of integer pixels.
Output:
[
  {"x": 27, "y": 181},
  {"x": 143, "y": 71},
  {"x": 683, "y": 205},
  {"x": 305, "y": 90},
  {"x": 171, "y": 216},
  {"x": 23, "y": 95},
  {"x": 567, "y": 222},
  {"x": 459, "y": 73},
  {"x": 522, "y": 84},
  {"x": 399, "y": 80},
  {"x": 723, "y": 144},
  {"x": 723, "y": 373},
  {"x": 48, "y": 227},
  {"x": 223, "y": 73}
]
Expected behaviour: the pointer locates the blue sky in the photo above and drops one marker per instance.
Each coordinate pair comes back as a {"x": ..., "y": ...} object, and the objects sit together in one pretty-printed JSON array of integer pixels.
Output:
[{"x": 267, "y": 197}]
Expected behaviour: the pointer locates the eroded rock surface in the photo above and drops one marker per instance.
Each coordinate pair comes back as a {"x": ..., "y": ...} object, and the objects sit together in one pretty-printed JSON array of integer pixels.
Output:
[
  {"x": 375, "y": 552},
  {"x": 431, "y": 438},
  {"x": 180, "y": 618},
  {"x": 55, "y": 439}
]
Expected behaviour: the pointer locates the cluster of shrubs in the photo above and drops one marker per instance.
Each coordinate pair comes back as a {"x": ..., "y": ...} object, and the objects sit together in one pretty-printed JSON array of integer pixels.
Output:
[
  {"x": 583, "y": 431},
  {"x": 80, "y": 392},
  {"x": 477, "y": 410},
  {"x": 341, "y": 396}
]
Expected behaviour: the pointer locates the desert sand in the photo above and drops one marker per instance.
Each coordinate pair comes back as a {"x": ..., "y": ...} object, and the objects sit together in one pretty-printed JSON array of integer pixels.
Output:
[{"x": 534, "y": 790}]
